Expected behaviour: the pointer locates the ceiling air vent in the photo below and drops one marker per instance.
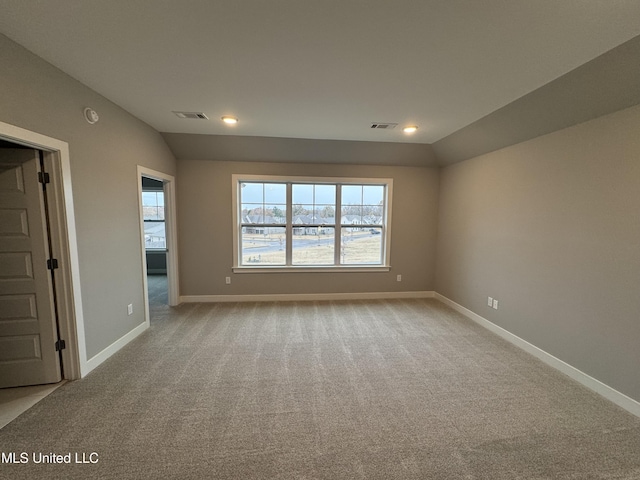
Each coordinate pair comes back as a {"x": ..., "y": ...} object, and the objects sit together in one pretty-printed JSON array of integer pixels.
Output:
[
  {"x": 194, "y": 115},
  {"x": 384, "y": 126}
]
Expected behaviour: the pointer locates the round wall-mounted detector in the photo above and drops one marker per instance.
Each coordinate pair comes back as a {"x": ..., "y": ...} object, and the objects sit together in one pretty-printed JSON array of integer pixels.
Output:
[{"x": 91, "y": 115}]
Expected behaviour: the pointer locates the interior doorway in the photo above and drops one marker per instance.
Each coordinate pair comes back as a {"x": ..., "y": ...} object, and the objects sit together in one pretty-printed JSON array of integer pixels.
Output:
[
  {"x": 29, "y": 330},
  {"x": 158, "y": 242},
  {"x": 155, "y": 237},
  {"x": 41, "y": 304}
]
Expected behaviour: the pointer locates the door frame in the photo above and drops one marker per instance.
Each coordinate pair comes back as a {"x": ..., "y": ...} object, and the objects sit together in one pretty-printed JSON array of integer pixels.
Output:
[
  {"x": 169, "y": 190},
  {"x": 64, "y": 242}
]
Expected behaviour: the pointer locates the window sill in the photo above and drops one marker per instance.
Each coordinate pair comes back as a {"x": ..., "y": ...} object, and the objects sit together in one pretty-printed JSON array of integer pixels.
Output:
[{"x": 308, "y": 269}]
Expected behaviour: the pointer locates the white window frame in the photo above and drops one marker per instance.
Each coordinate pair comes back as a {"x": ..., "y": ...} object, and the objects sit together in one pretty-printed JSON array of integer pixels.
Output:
[{"x": 237, "y": 266}]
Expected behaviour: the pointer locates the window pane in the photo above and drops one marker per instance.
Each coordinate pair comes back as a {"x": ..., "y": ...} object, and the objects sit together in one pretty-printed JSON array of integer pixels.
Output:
[
  {"x": 153, "y": 205},
  {"x": 352, "y": 195},
  {"x": 372, "y": 194},
  {"x": 313, "y": 245},
  {"x": 302, "y": 210},
  {"x": 149, "y": 199},
  {"x": 154, "y": 235},
  {"x": 304, "y": 215},
  {"x": 263, "y": 245},
  {"x": 370, "y": 217},
  {"x": 326, "y": 214},
  {"x": 361, "y": 246},
  {"x": 252, "y": 213},
  {"x": 150, "y": 213},
  {"x": 351, "y": 215},
  {"x": 325, "y": 194},
  {"x": 302, "y": 193},
  {"x": 275, "y": 214},
  {"x": 251, "y": 192},
  {"x": 275, "y": 193},
  {"x": 375, "y": 213}
]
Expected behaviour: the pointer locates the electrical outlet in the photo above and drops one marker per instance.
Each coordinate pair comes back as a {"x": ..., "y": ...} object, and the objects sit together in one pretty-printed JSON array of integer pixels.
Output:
[
  {"x": 399, "y": 278},
  {"x": 130, "y": 309},
  {"x": 490, "y": 302},
  {"x": 495, "y": 303},
  {"x": 227, "y": 280}
]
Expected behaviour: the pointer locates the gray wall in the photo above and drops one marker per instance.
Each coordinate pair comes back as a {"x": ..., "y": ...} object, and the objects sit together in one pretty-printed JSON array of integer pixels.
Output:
[
  {"x": 205, "y": 229},
  {"x": 550, "y": 227},
  {"x": 237, "y": 148},
  {"x": 604, "y": 85},
  {"x": 36, "y": 96}
]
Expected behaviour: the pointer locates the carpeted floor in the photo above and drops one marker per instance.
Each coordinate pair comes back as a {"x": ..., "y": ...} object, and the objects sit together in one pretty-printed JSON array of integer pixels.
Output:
[
  {"x": 158, "y": 297},
  {"x": 386, "y": 389}
]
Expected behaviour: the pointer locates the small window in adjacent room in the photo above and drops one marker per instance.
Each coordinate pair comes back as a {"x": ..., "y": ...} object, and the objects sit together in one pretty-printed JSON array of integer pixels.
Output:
[
  {"x": 154, "y": 222},
  {"x": 297, "y": 223}
]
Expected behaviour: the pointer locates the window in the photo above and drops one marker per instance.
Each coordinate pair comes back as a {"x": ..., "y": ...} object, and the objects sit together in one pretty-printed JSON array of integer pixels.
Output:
[
  {"x": 295, "y": 223},
  {"x": 154, "y": 224}
]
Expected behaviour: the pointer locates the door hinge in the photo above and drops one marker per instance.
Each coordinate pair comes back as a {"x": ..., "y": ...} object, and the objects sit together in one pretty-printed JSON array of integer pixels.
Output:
[
  {"x": 52, "y": 263},
  {"x": 60, "y": 345},
  {"x": 43, "y": 177}
]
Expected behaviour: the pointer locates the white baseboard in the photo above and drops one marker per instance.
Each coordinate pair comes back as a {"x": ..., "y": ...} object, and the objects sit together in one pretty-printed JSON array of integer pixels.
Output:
[
  {"x": 96, "y": 360},
  {"x": 301, "y": 297},
  {"x": 597, "y": 386}
]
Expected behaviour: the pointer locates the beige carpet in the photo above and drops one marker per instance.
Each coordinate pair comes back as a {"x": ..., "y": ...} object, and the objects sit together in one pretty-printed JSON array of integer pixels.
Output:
[{"x": 398, "y": 389}]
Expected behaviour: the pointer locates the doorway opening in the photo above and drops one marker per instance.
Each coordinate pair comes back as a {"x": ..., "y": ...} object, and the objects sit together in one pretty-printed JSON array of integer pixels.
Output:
[
  {"x": 155, "y": 240},
  {"x": 158, "y": 241},
  {"x": 41, "y": 303}
]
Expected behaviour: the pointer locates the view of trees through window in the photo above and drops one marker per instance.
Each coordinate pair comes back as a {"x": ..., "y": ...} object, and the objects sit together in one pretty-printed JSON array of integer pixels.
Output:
[
  {"x": 330, "y": 224},
  {"x": 154, "y": 222}
]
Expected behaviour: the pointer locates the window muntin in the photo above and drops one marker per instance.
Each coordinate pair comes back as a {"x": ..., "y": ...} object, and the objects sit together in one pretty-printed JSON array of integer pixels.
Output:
[{"x": 294, "y": 222}]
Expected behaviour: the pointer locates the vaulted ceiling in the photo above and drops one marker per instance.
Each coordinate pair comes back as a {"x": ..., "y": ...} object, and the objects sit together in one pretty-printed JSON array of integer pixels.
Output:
[{"x": 326, "y": 69}]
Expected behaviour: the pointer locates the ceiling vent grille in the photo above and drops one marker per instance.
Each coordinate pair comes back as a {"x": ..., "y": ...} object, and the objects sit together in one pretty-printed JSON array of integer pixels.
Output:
[
  {"x": 194, "y": 115},
  {"x": 384, "y": 126}
]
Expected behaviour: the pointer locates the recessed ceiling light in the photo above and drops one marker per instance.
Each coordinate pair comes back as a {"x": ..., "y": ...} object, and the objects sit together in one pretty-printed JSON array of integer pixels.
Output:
[
  {"x": 230, "y": 120},
  {"x": 410, "y": 129}
]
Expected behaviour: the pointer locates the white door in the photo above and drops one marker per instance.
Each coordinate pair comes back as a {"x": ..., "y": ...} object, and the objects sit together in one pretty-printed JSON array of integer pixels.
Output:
[{"x": 28, "y": 331}]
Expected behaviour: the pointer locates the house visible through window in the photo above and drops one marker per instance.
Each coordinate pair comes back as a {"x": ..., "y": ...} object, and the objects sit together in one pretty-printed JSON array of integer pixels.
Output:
[
  {"x": 154, "y": 223},
  {"x": 312, "y": 222}
]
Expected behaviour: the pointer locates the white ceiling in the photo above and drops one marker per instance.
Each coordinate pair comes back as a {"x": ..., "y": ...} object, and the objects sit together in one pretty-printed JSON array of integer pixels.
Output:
[{"x": 318, "y": 69}]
